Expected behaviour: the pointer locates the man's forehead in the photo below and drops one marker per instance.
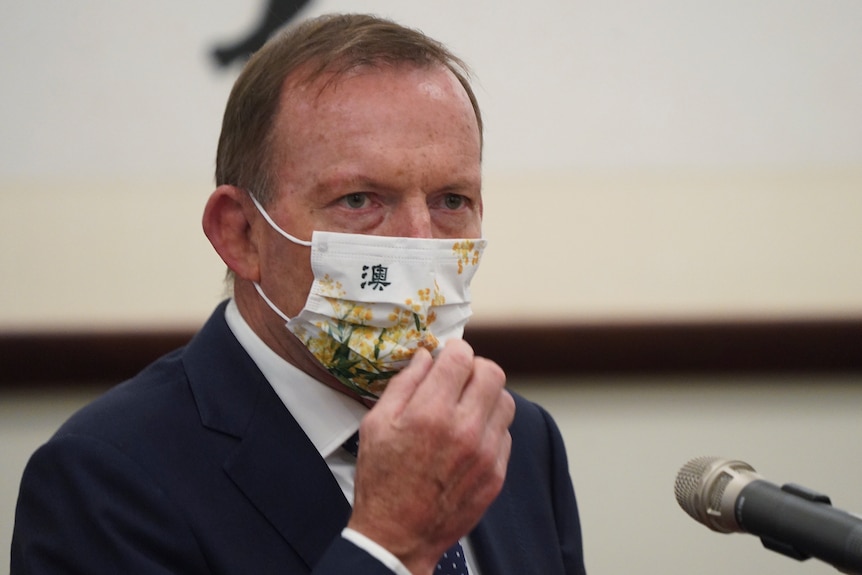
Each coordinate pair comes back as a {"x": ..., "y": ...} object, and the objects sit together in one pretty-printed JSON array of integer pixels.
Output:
[{"x": 310, "y": 90}]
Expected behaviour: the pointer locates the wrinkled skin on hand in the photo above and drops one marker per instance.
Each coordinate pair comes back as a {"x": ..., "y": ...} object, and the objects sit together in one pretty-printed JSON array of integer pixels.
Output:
[{"x": 434, "y": 454}]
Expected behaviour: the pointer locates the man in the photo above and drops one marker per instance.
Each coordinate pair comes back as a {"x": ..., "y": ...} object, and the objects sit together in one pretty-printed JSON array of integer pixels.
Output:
[{"x": 347, "y": 139}]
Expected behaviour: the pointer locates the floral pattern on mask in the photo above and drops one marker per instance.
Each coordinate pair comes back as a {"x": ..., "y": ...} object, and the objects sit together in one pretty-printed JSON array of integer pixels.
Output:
[
  {"x": 467, "y": 254},
  {"x": 365, "y": 357}
]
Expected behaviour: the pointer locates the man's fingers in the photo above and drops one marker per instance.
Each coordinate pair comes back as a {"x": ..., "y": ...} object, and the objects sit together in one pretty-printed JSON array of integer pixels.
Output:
[
  {"x": 401, "y": 388},
  {"x": 487, "y": 381},
  {"x": 446, "y": 379},
  {"x": 436, "y": 449}
]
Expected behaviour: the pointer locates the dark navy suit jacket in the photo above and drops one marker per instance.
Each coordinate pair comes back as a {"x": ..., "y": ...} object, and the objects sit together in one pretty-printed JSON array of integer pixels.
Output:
[{"x": 194, "y": 466}]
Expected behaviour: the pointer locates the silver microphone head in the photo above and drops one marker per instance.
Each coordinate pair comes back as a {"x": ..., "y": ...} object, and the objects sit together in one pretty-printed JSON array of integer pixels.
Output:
[{"x": 707, "y": 488}]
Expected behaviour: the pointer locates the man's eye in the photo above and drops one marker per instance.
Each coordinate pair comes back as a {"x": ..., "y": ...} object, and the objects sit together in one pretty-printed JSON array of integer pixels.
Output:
[
  {"x": 454, "y": 201},
  {"x": 355, "y": 201}
]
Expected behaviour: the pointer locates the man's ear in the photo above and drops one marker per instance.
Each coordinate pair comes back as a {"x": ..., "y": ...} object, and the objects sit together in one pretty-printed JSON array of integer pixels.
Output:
[{"x": 227, "y": 223}]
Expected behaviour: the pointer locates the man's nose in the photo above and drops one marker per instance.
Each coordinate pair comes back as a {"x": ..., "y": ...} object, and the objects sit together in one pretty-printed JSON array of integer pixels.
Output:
[{"x": 413, "y": 220}]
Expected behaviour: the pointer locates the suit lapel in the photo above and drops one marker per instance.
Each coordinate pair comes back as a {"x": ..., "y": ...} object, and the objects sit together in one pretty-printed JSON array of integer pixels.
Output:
[
  {"x": 274, "y": 464},
  {"x": 283, "y": 475}
]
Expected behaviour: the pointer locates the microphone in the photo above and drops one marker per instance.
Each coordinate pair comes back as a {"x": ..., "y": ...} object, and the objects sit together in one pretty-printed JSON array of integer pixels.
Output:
[{"x": 730, "y": 496}]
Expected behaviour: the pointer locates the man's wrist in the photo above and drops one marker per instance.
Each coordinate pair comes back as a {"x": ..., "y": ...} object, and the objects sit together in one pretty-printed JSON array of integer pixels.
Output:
[{"x": 375, "y": 550}]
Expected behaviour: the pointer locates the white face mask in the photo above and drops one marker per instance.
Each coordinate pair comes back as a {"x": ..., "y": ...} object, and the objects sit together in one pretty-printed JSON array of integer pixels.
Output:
[{"x": 375, "y": 300}]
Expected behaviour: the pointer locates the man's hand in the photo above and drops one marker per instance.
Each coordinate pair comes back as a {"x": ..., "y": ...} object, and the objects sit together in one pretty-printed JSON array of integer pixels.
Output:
[{"x": 433, "y": 454}]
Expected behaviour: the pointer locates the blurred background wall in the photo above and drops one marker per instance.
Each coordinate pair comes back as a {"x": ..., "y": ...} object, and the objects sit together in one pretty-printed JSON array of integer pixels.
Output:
[{"x": 645, "y": 161}]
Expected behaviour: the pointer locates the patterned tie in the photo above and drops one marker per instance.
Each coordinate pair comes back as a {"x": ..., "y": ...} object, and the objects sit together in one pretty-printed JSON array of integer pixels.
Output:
[{"x": 453, "y": 561}]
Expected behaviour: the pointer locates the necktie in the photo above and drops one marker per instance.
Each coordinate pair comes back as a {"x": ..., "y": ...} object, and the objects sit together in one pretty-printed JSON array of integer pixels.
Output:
[{"x": 452, "y": 562}]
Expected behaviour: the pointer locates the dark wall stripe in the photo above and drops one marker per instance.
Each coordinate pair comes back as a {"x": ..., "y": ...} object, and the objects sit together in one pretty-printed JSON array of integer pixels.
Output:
[
  {"x": 675, "y": 348},
  {"x": 822, "y": 346}
]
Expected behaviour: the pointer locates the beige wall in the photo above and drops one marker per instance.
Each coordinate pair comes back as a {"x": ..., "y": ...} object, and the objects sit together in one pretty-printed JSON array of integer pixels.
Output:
[
  {"x": 569, "y": 247},
  {"x": 626, "y": 440},
  {"x": 643, "y": 159}
]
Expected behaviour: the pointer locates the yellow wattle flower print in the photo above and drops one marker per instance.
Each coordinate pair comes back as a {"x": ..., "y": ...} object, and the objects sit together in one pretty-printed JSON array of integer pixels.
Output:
[
  {"x": 467, "y": 254},
  {"x": 364, "y": 356}
]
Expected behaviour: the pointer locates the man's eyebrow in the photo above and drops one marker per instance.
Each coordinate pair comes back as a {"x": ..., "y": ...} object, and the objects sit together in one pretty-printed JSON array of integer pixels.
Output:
[{"x": 347, "y": 180}]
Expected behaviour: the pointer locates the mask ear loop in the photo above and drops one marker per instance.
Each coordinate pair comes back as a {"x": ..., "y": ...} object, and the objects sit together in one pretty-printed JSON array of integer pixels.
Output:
[
  {"x": 295, "y": 240},
  {"x": 274, "y": 225},
  {"x": 271, "y": 305}
]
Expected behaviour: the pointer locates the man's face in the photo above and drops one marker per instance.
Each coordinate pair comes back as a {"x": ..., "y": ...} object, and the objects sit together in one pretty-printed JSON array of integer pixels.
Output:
[{"x": 391, "y": 151}]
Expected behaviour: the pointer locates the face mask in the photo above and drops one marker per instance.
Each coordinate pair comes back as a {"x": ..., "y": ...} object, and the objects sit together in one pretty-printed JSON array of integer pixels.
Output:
[{"x": 375, "y": 300}]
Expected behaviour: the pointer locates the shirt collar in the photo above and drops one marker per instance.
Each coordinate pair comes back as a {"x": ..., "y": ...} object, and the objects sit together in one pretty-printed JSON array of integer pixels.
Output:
[{"x": 327, "y": 416}]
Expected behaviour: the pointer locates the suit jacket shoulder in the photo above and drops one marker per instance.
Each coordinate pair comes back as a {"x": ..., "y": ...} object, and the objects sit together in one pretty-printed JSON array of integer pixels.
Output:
[
  {"x": 192, "y": 466},
  {"x": 533, "y": 526}
]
